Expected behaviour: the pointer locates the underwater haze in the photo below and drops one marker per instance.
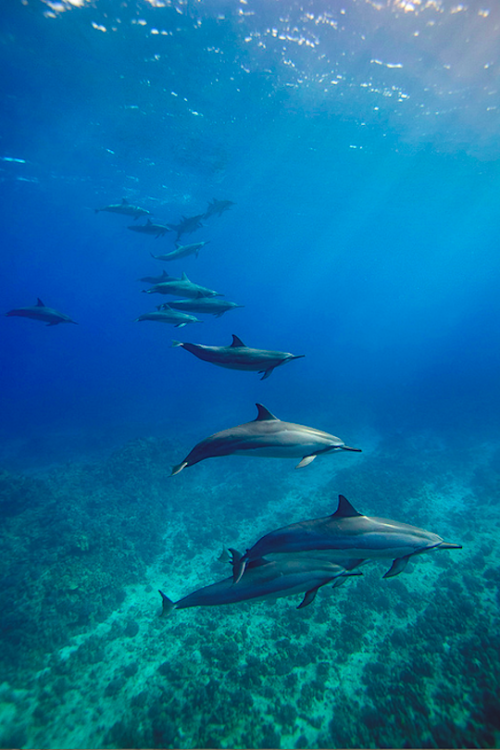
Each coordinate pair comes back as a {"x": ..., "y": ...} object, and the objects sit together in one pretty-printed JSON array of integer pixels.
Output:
[{"x": 357, "y": 143}]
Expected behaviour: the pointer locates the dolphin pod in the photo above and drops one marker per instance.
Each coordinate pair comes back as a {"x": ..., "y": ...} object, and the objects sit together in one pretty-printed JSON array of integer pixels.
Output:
[
  {"x": 266, "y": 436},
  {"x": 343, "y": 536},
  {"x": 237, "y": 356},
  {"x": 264, "y": 579}
]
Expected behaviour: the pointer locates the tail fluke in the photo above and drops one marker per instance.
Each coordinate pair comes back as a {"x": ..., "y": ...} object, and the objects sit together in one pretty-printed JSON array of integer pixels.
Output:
[
  {"x": 178, "y": 468},
  {"x": 167, "y": 605}
]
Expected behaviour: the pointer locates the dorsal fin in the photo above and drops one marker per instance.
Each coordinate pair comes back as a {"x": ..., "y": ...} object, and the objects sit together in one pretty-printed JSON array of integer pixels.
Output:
[
  {"x": 184, "y": 277},
  {"x": 124, "y": 202},
  {"x": 237, "y": 341},
  {"x": 263, "y": 413},
  {"x": 39, "y": 302},
  {"x": 149, "y": 221},
  {"x": 345, "y": 509}
]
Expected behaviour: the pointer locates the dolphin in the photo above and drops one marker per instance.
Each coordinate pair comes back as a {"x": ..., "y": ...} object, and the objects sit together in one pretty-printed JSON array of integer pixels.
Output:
[
  {"x": 343, "y": 535},
  {"x": 40, "y": 312},
  {"x": 237, "y": 356},
  {"x": 182, "y": 287},
  {"x": 209, "y": 305},
  {"x": 149, "y": 228},
  {"x": 166, "y": 315},
  {"x": 266, "y": 436},
  {"x": 217, "y": 207},
  {"x": 125, "y": 208},
  {"x": 187, "y": 225},
  {"x": 156, "y": 279},
  {"x": 265, "y": 579},
  {"x": 182, "y": 251}
]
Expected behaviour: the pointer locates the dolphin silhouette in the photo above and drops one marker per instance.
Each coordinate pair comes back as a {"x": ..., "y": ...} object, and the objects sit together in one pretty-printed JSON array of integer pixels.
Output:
[
  {"x": 149, "y": 228},
  {"x": 166, "y": 315},
  {"x": 182, "y": 251},
  {"x": 263, "y": 580},
  {"x": 343, "y": 535},
  {"x": 217, "y": 207},
  {"x": 237, "y": 356},
  {"x": 266, "y": 436},
  {"x": 40, "y": 312},
  {"x": 125, "y": 208},
  {"x": 187, "y": 225},
  {"x": 156, "y": 279},
  {"x": 209, "y": 305}
]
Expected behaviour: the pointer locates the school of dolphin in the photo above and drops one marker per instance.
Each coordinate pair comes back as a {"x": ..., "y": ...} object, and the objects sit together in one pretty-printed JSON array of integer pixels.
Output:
[{"x": 306, "y": 555}]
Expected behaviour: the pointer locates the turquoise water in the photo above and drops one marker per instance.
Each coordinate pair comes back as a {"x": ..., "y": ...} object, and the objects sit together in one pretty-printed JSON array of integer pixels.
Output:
[{"x": 358, "y": 143}]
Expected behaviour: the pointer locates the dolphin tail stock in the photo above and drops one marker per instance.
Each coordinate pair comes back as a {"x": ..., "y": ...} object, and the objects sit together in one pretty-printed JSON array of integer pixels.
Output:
[
  {"x": 178, "y": 468},
  {"x": 239, "y": 563},
  {"x": 168, "y": 605}
]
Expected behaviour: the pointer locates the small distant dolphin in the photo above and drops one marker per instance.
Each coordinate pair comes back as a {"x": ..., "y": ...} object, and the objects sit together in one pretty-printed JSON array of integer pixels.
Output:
[
  {"x": 182, "y": 251},
  {"x": 182, "y": 287},
  {"x": 209, "y": 305},
  {"x": 167, "y": 315},
  {"x": 217, "y": 207},
  {"x": 125, "y": 208},
  {"x": 266, "y": 580},
  {"x": 157, "y": 229},
  {"x": 187, "y": 225},
  {"x": 346, "y": 534},
  {"x": 156, "y": 279},
  {"x": 40, "y": 312},
  {"x": 237, "y": 356},
  {"x": 266, "y": 436}
]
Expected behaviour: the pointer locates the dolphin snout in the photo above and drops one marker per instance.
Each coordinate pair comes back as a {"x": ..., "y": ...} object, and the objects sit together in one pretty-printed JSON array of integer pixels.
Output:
[{"x": 348, "y": 448}]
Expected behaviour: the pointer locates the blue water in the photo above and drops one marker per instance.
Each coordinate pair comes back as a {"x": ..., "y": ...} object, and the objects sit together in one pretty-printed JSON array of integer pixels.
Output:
[{"x": 359, "y": 144}]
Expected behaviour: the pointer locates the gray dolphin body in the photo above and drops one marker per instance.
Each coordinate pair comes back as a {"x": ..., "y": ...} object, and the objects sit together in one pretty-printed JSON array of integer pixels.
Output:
[
  {"x": 208, "y": 305},
  {"x": 263, "y": 580},
  {"x": 40, "y": 312},
  {"x": 182, "y": 287},
  {"x": 237, "y": 356},
  {"x": 156, "y": 279},
  {"x": 182, "y": 251},
  {"x": 187, "y": 225},
  {"x": 125, "y": 208},
  {"x": 166, "y": 315},
  {"x": 158, "y": 230},
  {"x": 266, "y": 436},
  {"x": 343, "y": 535}
]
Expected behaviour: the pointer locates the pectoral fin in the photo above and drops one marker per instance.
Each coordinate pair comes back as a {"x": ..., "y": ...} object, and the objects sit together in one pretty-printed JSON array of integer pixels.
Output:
[
  {"x": 306, "y": 461},
  {"x": 397, "y": 566},
  {"x": 266, "y": 373},
  {"x": 308, "y": 598}
]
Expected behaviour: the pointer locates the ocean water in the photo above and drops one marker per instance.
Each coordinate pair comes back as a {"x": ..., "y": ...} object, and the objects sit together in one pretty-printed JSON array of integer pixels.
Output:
[{"x": 358, "y": 142}]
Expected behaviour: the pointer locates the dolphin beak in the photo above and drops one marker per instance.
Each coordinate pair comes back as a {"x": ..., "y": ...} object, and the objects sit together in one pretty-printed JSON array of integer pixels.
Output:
[
  {"x": 177, "y": 469},
  {"x": 449, "y": 545},
  {"x": 348, "y": 448}
]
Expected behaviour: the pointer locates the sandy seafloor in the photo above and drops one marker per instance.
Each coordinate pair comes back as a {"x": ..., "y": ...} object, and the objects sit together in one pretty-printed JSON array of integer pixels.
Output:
[{"x": 411, "y": 661}]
